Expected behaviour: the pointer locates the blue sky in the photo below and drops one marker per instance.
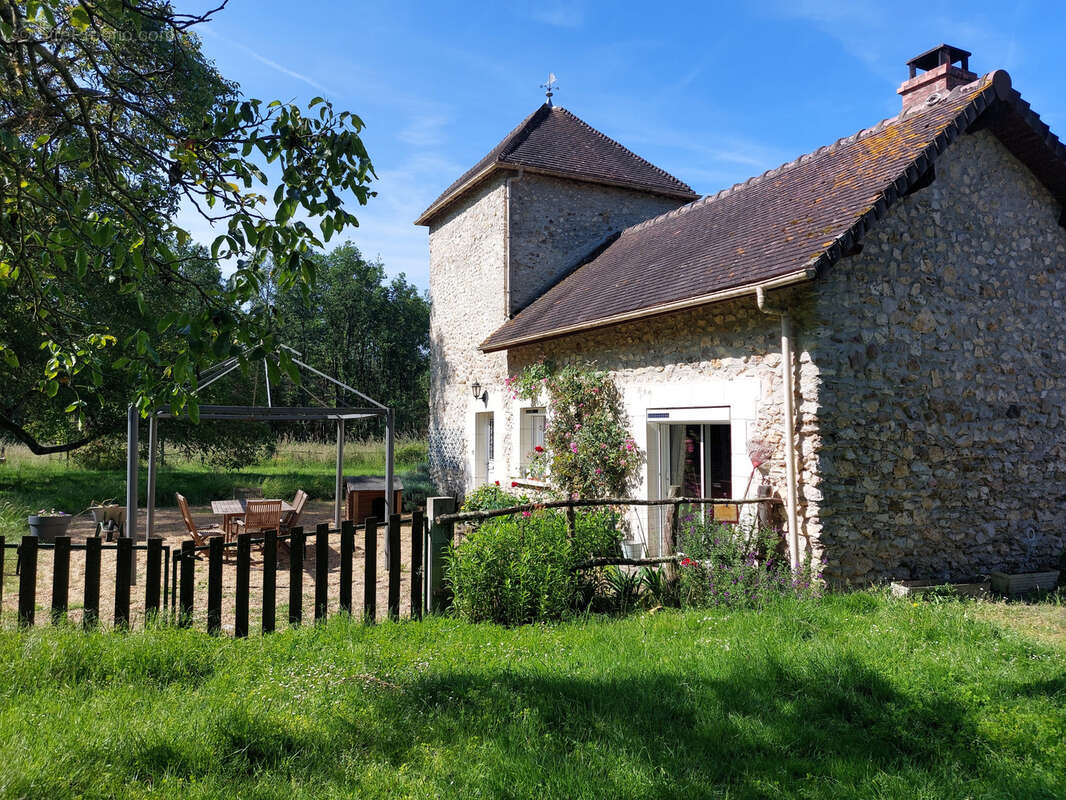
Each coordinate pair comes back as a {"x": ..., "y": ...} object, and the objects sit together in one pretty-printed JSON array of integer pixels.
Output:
[{"x": 712, "y": 93}]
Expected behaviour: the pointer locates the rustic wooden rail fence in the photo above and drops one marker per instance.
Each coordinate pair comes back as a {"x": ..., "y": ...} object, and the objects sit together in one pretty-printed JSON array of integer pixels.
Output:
[{"x": 170, "y": 587}]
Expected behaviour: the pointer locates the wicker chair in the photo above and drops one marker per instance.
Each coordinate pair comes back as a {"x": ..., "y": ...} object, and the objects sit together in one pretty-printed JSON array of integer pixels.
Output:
[
  {"x": 260, "y": 515},
  {"x": 292, "y": 518},
  {"x": 199, "y": 535}
]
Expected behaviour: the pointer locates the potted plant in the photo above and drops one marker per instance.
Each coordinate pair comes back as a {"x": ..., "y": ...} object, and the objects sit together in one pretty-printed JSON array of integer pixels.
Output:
[{"x": 47, "y": 525}]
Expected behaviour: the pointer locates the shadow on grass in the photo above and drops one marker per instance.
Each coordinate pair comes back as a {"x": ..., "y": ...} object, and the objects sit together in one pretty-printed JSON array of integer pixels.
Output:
[{"x": 826, "y": 727}]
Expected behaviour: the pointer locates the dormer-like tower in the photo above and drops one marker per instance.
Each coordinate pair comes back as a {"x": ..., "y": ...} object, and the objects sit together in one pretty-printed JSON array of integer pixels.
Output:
[{"x": 552, "y": 192}]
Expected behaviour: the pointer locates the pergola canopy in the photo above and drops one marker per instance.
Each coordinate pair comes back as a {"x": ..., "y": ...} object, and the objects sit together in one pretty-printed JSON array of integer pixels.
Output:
[{"x": 269, "y": 412}]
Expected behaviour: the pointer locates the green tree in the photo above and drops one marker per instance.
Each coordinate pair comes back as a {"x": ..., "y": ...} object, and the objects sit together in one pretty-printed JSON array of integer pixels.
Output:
[
  {"x": 110, "y": 118},
  {"x": 369, "y": 332}
]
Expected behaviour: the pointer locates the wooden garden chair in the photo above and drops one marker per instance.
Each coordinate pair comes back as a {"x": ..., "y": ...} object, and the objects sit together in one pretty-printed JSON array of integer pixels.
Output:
[
  {"x": 292, "y": 518},
  {"x": 259, "y": 516},
  {"x": 199, "y": 535}
]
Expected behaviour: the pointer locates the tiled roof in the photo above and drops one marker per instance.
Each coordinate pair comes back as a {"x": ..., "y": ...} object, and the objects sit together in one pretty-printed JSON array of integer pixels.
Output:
[
  {"x": 782, "y": 226},
  {"x": 553, "y": 140}
]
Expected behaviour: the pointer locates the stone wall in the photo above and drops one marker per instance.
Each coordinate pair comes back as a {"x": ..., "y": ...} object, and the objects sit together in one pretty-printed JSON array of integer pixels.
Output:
[
  {"x": 467, "y": 253},
  {"x": 555, "y": 223},
  {"x": 938, "y": 440}
]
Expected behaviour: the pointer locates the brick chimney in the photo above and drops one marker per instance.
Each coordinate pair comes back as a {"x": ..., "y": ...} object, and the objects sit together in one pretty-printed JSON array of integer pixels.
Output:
[{"x": 939, "y": 74}]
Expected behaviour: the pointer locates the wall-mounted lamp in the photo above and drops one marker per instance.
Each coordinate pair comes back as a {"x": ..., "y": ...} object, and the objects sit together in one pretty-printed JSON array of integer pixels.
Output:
[{"x": 479, "y": 393}]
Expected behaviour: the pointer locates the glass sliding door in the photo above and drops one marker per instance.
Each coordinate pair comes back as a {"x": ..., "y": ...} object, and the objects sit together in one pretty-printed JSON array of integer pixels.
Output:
[{"x": 694, "y": 461}]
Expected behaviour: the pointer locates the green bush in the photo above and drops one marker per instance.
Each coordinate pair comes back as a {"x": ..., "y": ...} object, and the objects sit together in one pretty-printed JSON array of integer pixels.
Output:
[
  {"x": 520, "y": 569},
  {"x": 735, "y": 565}
]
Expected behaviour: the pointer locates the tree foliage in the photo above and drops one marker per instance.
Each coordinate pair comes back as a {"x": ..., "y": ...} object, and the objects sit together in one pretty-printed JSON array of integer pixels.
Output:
[
  {"x": 367, "y": 331},
  {"x": 110, "y": 119}
]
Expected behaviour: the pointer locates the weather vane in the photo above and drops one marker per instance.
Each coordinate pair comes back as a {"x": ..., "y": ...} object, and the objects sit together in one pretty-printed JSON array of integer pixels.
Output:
[{"x": 549, "y": 88}]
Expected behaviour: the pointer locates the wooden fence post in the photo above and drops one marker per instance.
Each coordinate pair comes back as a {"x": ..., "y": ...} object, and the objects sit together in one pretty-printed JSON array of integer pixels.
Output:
[
  {"x": 270, "y": 581},
  {"x": 60, "y": 577},
  {"x": 393, "y": 544},
  {"x": 91, "y": 602},
  {"x": 244, "y": 562},
  {"x": 440, "y": 536},
  {"x": 27, "y": 581},
  {"x": 185, "y": 598},
  {"x": 370, "y": 570},
  {"x": 123, "y": 579},
  {"x": 418, "y": 538},
  {"x": 3, "y": 554},
  {"x": 321, "y": 571},
  {"x": 296, "y": 575},
  {"x": 347, "y": 551},
  {"x": 153, "y": 578},
  {"x": 214, "y": 584}
]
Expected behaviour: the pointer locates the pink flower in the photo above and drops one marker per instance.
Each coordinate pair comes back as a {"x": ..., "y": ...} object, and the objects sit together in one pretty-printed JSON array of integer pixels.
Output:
[
  {"x": 573, "y": 447},
  {"x": 526, "y": 514},
  {"x": 598, "y": 471}
]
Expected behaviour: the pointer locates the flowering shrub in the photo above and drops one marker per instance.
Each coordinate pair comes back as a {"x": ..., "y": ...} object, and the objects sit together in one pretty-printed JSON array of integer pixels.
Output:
[
  {"x": 736, "y": 565},
  {"x": 518, "y": 569},
  {"x": 589, "y": 451}
]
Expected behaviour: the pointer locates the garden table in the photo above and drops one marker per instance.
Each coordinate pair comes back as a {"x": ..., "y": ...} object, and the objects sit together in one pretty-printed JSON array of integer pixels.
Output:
[{"x": 230, "y": 510}]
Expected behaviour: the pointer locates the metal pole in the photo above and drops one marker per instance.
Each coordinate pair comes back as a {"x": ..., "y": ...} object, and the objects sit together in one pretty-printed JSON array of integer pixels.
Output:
[
  {"x": 132, "y": 433},
  {"x": 339, "y": 488},
  {"x": 153, "y": 445},
  {"x": 390, "y": 494}
]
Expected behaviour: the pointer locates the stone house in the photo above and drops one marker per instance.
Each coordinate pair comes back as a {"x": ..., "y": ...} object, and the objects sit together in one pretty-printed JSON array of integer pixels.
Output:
[{"x": 884, "y": 315}]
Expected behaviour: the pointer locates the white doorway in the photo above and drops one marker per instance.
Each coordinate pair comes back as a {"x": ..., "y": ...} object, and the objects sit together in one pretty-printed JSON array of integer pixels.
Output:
[
  {"x": 484, "y": 447},
  {"x": 693, "y": 450}
]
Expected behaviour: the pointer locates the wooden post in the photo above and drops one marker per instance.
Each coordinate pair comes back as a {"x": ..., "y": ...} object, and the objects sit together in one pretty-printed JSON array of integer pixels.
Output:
[
  {"x": 393, "y": 542},
  {"x": 132, "y": 455},
  {"x": 347, "y": 552},
  {"x": 153, "y": 578},
  {"x": 370, "y": 571},
  {"x": 571, "y": 523},
  {"x": 3, "y": 554},
  {"x": 91, "y": 601},
  {"x": 185, "y": 599},
  {"x": 270, "y": 581},
  {"x": 296, "y": 576},
  {"x": 418, "y": 537},
  {"x": 244, "y": 561},
  {"x": 214, "y": 584},
  {"x": 440, "y": 536},
  {"x": 321, "y": 571},
  {"x": 28, "y": 581},
  {"x": 60, "y": 577},
  {"x": 123, "y": 562}
]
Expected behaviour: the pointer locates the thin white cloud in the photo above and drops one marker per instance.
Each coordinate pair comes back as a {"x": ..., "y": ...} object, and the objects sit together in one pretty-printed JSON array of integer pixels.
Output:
[
  {"x": 559, "y": 15},
  {"x": 271, "y": 63}
]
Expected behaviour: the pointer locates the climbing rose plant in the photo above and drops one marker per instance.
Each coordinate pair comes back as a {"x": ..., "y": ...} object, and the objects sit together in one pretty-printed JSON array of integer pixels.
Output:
[{"x": 588, "y": 448}]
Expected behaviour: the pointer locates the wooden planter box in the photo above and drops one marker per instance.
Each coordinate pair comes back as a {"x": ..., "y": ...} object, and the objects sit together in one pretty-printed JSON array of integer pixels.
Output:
[
  {"x": 919, "y": 588},
  {"x": 1023, "y": 582}
]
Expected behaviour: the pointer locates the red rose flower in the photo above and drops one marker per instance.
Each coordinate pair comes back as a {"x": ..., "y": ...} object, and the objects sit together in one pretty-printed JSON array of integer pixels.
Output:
[
  {"x": 497, "y": 483},
  {"x": 514, "y": 484},
  {"x": 539, "y": 449}
]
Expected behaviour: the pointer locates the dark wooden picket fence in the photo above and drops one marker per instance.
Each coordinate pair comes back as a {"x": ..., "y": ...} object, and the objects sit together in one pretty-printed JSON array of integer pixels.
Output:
[{"x": 170, "y": 587}]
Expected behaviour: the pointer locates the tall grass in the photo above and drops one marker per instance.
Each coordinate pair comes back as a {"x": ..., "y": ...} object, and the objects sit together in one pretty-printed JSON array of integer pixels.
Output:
[{"x": 851, "y": 697}]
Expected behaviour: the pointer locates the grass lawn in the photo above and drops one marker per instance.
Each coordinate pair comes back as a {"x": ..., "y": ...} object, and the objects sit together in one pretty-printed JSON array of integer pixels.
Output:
[
  {"x": 29, "y": 482},
  {"x": 855, "y": 696}
]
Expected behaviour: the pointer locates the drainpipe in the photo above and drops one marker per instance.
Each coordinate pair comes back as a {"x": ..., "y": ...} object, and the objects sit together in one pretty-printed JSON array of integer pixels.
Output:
[
  {"x": 507, "y": 242},
  {"x": 787, "y": 389}
]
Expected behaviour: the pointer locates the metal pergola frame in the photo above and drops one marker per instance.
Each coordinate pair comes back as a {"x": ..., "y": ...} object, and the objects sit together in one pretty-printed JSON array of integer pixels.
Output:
[{"x": 269, "y": 412}]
